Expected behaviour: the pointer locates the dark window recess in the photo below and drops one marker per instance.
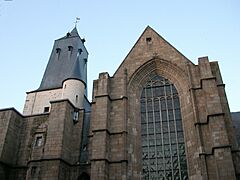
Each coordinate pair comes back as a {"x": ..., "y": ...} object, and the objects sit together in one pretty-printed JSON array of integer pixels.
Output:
[
  {"x": 58, "y": 50},
  {"x": 39, "y": 141},
  {"x": 75, "y": 116},
  {"x": 46, "y": 109},
  {"x": 70, "y": 48},
  {"x": 85, "y": 147},
  {"x": 80, "y": 51},
  {"x": 149, "y": 40},
  {"x": 33, "y": 171}
]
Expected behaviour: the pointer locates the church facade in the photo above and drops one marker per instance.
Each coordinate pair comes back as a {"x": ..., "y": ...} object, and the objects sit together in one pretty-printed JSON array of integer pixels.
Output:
[{"x": 158, "y": 117}]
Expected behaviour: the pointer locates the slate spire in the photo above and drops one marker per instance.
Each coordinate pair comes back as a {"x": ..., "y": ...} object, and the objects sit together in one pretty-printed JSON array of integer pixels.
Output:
[
  {"x": 68, "y": 58},
  {"x": 74, "y": 32}
]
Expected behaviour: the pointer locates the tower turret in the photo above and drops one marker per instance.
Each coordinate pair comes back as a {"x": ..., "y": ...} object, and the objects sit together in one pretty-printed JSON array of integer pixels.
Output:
[
  {"x": 66, "y": 52},
  {"x": 65, "y": 76}
]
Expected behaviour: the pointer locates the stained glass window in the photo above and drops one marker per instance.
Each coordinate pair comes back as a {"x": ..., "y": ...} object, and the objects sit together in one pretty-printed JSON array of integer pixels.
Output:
[{"x": 163, "y": 148}]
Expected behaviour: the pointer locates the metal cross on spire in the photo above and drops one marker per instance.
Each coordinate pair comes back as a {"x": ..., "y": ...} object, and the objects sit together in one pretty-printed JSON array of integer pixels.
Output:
[{"x": 77, "y": 20}]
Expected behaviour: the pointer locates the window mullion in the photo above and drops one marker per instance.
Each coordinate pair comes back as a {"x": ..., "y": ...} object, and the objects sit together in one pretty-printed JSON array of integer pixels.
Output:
[
  {"x": 154, "y": 127},
  {"x": 163, "y": 153},
  {"x": 146, "y": 100},
  {"x": 176, "y": 135},
  {"x": 169, "y": 135}
]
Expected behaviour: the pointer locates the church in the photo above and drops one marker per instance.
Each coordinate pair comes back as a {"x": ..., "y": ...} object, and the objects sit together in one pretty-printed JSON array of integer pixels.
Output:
[{"x": 159, "y": 117}]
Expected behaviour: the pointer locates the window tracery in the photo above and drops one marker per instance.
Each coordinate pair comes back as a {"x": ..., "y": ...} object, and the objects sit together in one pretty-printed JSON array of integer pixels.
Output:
[{"x": 163, "y": 148}]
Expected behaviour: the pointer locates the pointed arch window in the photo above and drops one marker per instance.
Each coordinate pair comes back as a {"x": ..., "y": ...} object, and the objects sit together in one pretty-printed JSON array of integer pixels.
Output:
[{"x": 163, "y": 148}]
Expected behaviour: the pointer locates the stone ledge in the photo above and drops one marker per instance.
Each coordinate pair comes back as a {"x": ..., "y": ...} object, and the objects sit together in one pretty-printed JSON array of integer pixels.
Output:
[
  {"x": 213, "y": 149},
  {"x": 111, "y": 99},
  {"x": 12, "y": 109},
  {"x": 109, "y": 133},
  {"x": 208, "y": 117},
  {"x": 110, "y": 162}
]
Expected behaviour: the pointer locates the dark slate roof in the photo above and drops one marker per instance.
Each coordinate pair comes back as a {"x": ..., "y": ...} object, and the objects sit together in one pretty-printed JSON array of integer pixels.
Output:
[
  {"x": 236, "y": 124},
  {"x": 76, "y": 71},
  {"x": 74, "y": 32},
  {"x": 64, "y": 64}
]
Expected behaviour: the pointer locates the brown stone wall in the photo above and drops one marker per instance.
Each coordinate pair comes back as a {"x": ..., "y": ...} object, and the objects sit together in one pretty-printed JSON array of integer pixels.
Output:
[
  {"x": 11, "y": 125},
  {"x": 50, "y": 170},
  {"x": 59, "y": 154},
  {"x": 27, "y": 150},
  {"x": 208, "y": 133},
  {"x": 62, "y": 144},
  {"x": 114, "y": 147},
  {"x": 4, "y": 171},
  {"x": 108, "y": 134},
  {"x": 10, "y": 129},
  {"x": 143, "y": 50},
  {"x": 139, "y": 79}
]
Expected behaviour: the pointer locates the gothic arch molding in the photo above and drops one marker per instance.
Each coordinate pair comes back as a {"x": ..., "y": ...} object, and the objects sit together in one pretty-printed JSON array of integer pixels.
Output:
[
  {"x": 136, "y": 83},
  {"x": 162, "y": 67}
]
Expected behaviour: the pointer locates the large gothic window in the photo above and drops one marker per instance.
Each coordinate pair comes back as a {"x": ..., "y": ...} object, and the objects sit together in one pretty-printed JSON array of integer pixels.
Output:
[{"x": 163, "y": 149}]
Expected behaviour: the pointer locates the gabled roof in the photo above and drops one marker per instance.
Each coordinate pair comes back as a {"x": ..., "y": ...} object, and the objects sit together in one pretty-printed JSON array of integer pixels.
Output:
[{"x": 150, "y": 44}]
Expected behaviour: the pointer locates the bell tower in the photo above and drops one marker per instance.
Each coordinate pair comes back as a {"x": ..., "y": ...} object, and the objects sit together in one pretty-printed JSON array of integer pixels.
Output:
[{"x": 65, "y": 76}]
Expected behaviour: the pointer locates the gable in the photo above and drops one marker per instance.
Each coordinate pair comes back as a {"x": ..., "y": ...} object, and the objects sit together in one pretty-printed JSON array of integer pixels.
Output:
[{"x": 150, "y": 45}]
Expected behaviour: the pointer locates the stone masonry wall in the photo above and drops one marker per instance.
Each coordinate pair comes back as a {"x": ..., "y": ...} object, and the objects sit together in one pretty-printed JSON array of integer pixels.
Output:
[
  {"x": 210, "y": 145},
  {"x": 10, "y": 129},
  {"x": 36, "y": 101}
]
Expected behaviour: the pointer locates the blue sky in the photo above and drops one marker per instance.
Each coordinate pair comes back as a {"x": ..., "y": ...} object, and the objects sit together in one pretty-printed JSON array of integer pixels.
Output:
[{"x": 28, "y": 29}]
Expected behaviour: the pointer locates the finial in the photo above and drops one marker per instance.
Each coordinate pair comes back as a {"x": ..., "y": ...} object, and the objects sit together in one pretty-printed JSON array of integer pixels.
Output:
[{"x": 77, "y": 20}]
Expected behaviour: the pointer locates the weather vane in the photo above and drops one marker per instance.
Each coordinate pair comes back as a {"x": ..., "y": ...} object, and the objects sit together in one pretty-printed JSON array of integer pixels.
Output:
[{"x": 77, "y": 20}]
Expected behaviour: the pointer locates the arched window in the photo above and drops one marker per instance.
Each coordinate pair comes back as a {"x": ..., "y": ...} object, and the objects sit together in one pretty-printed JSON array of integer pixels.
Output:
[{"x": 163, "y": 148}]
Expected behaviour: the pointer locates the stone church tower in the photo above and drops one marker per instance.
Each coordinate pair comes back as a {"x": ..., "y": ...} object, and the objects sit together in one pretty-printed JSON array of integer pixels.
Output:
[
  {"x": 158, "y": 117},
  {"x": 65, "y": 76},
  {"x": 49, "y": 141}
]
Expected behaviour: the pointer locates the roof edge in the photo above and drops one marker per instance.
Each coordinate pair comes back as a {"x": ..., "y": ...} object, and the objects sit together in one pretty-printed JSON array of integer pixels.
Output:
[{"x": 148, "y": 27}]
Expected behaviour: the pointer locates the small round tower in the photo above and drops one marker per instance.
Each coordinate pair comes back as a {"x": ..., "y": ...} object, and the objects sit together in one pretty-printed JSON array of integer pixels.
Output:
[{"x": 73, "y": 89}]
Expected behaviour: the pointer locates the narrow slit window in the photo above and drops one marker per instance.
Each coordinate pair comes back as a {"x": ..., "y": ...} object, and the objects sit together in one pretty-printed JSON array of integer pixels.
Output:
[{"x": 76, "y": 98}]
